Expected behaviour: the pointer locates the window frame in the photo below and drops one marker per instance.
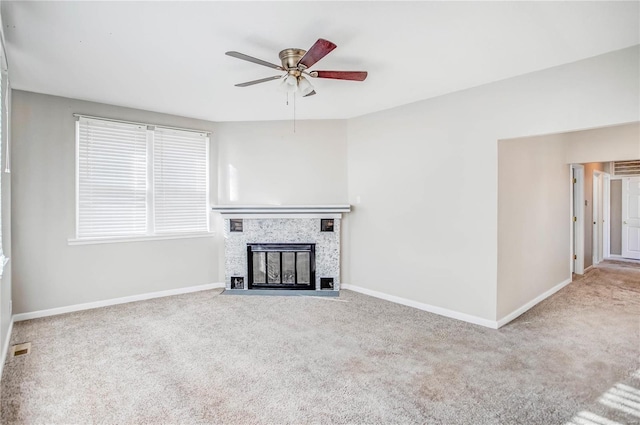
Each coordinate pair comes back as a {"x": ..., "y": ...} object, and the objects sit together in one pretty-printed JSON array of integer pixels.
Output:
[{"x": 150, "y": 192}]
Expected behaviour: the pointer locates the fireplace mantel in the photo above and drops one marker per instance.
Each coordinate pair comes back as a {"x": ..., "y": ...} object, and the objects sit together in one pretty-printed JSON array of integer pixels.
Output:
[
  {"x": 282, "y": 211},
  {"x": 272, "y": 227}
]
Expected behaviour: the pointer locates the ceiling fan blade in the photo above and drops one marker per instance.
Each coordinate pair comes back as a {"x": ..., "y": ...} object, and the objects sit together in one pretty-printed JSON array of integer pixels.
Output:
[
  {"x": 247, "y": 58},
  {"x": 341, "y": 75},
  {"x": 310, "y": 94},
  {"x": 262, "y": 80},
  {"x": 320, "y": 49}
]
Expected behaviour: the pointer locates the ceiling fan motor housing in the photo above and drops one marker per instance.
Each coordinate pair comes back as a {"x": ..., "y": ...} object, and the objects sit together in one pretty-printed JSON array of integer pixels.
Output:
[{"x": 290, "y": 58}]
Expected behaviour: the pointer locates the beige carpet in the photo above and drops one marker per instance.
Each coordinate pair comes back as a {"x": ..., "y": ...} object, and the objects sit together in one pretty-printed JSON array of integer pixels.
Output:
[{"x": 210, "y": 358}]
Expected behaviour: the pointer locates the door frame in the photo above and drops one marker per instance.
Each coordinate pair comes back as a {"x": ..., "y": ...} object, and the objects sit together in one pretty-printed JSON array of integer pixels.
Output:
[
  {"x": 606, "y": 215},
  {"x": 576, "y": 240},
  {"x": 601, "y": 216}
]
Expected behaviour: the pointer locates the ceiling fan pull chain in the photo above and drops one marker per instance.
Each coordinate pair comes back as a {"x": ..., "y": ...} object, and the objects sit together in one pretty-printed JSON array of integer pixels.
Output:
[{"x": 294, "y": 112}]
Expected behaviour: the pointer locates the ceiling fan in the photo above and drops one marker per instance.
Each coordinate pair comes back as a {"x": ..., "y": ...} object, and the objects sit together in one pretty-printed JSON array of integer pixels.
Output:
[{"x": 296, "y": 64}]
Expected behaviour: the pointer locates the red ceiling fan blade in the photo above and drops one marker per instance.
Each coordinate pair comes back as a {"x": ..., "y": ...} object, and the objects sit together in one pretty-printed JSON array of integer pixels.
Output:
[
  {"x": 248, "y": 58},
  {"x": 262, "y": 80},
  {"x": 341, "y": 75},
  {"x": 320, "y": 49}
]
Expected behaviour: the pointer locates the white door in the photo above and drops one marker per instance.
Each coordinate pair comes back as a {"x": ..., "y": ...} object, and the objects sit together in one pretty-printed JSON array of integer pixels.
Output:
[{"x": 631, "y": 217}]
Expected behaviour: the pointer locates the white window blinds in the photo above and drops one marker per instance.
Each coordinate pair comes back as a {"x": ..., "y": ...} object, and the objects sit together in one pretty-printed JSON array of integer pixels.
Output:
[
  {"x": 180, "y": 178},
  {"x": 112, "y": 179},
  {"x": 135, "y": 180}
]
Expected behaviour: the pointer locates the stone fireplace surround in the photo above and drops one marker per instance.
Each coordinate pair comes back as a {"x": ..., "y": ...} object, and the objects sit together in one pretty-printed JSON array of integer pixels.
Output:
[{"x": 283, "y": 224}]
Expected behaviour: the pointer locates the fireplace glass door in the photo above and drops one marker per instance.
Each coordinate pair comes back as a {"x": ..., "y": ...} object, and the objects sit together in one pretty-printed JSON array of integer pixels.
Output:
[{"x": 281, "y": 266}]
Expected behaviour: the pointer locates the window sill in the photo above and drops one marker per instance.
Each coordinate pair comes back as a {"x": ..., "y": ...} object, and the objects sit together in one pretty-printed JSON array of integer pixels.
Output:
[{"x": 124, "y": 239}]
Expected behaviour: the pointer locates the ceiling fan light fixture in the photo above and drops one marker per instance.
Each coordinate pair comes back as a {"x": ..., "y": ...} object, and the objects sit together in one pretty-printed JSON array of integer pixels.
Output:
[
  {"x": 289, "y": 84},
  {"x": 292, "y": 83},
  {"x": 291, "y": 80},
  {"x": 304, "y": 86}
]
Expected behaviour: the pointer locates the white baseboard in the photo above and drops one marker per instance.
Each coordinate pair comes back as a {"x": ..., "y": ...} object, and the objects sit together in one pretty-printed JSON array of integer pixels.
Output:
[
  {"x": 5, "y": 346},
  {"x": 621, "y": 258},
  {"x": 517, "y": 312},
  {"x": 87, "y": 306},
  {"x": 422, "y": 306},
  {"x": 587, "y": 269}
]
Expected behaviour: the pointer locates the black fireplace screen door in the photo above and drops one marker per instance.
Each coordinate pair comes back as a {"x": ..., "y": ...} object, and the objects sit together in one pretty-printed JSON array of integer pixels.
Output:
[{"x": 281, "y": 266}]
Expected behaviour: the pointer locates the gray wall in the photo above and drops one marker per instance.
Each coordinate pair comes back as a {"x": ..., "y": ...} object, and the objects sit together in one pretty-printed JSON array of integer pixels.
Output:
[
  {"x": 616, "y": 217},
  {"x": 5, "y": 281},
  {"x": 47, "y": 271},
  {"x": 532, "y": 209},
  {"x": 271, "y": 164},
  {"x": 622, "y": 141}
]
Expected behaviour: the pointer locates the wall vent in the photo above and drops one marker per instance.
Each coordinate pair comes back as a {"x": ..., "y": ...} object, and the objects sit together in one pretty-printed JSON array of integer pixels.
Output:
[{"x": 626, "y": 168}]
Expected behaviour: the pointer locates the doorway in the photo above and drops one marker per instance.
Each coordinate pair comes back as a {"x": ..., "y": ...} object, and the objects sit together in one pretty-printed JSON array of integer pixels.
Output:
[{"x": 591, "y": 215}]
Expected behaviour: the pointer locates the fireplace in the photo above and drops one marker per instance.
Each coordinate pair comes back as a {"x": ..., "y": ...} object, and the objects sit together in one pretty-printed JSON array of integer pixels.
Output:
[
  {"x": 288, "y": 249},
  {"x": 281, "y": 266}
]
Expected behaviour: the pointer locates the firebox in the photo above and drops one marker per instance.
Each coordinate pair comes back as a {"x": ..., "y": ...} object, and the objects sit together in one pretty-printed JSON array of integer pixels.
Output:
[{"x": 281, "y": 266}]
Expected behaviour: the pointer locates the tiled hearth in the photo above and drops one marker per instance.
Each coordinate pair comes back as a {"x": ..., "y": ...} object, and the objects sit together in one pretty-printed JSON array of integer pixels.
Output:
[{"x": 290, "y": 247}]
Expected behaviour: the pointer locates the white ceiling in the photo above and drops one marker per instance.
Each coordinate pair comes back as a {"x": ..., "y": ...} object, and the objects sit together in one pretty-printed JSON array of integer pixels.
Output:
[{"x": 169, "y": 56}]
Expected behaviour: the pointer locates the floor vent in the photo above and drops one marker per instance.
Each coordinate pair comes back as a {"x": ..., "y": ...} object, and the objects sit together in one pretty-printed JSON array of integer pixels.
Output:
[{"x": 21, "y": 349}]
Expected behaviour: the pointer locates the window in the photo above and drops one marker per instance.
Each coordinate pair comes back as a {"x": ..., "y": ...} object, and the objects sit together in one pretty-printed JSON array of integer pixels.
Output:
[
  {"x": 139, "y": 181},
  {"x": 180, "y": 165}
]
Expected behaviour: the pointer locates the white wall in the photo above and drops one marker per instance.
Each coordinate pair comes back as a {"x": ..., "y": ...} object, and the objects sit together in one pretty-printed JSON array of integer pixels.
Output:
[
  {"x": 267, "y": 163},
  {"x": 423, "y": 177}
]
